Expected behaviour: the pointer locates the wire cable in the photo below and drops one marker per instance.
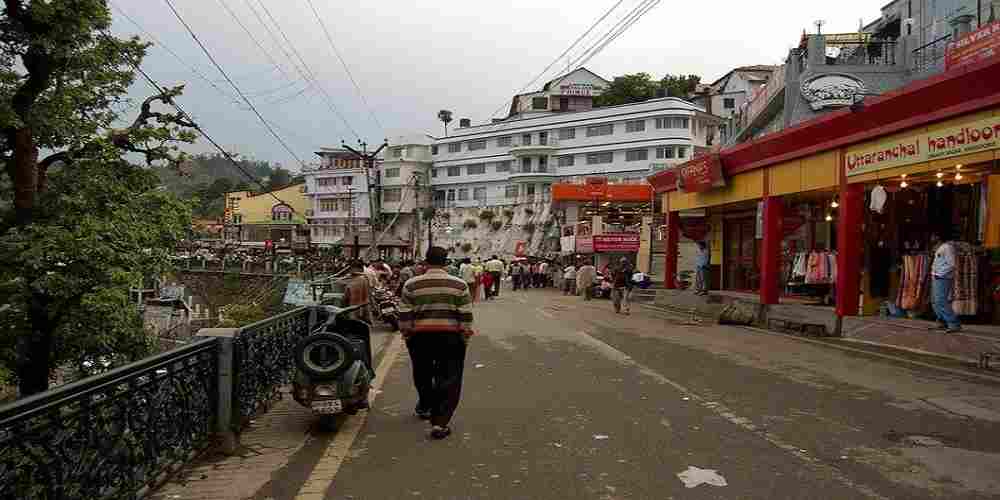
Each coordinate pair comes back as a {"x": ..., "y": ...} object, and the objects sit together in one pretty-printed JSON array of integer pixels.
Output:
[
  {"x": 621, "y": 28},
  {"x": 233, "y": 84},
  {"x": 255, "y": 41},
  {"x": 343, "y": 63}
]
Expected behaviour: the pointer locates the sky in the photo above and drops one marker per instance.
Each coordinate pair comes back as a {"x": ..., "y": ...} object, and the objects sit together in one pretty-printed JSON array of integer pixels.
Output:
[{"x": 413, "y": 58}]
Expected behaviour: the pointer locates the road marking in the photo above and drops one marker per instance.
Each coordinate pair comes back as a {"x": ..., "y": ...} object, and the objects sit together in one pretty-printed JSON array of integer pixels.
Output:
[
  {"x": 724, "y": 412},
  {"x": 323, "y": 474}
]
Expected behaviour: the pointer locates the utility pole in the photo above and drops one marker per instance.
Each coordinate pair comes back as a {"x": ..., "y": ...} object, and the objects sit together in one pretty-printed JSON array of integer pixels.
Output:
[
  {"x": 350, "y": 220},
  {"x": 374, "y": 198}
]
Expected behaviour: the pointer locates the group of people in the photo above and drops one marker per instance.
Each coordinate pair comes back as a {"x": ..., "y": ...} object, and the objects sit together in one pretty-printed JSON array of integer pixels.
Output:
[{"x": 580, "y": 278}]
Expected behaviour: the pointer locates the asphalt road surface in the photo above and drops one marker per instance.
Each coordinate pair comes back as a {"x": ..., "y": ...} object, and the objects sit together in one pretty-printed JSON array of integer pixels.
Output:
[{"x": 565, "y": 399}]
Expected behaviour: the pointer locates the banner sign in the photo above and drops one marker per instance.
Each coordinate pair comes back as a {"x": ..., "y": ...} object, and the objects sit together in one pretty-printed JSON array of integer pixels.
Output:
[
  {"x": 567, "y": 245},
  {"x": 976, "y": 46},
  {"x": 981, "y": 135},
  {"x": 584, "y": 244},
  {"x": 616, "y": 242},
  {"x": 700, "y": 174}
]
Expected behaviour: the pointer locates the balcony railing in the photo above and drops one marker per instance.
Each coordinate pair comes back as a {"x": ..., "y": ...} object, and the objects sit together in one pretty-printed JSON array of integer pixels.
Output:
[
  {"x": 873, "y": 53},
  {"x": 928, "y": 56}
]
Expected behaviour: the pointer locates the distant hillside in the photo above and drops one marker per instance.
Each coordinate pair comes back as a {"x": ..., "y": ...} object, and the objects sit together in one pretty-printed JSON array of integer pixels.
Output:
[{"x": 208, "y": 177}]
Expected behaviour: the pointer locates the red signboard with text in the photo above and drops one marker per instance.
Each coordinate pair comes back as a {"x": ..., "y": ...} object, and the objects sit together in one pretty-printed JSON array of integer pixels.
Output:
[
  {"x": 700, "y": 174},
  {"x": 973, "y": 47},
  {"x": 616, "y": 242},
  {"x": 584, "y": 244}
]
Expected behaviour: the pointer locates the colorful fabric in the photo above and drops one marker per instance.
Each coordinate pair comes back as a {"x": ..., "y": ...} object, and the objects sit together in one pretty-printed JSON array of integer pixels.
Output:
[
  {"x": 435, "y": 302},
  {"x": 915, "y": 283},
  {"x": 965, "y": 289}
]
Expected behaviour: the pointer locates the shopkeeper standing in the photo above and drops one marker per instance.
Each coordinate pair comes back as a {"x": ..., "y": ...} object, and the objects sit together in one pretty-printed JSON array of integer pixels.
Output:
[{"x": 942, "y": 283}]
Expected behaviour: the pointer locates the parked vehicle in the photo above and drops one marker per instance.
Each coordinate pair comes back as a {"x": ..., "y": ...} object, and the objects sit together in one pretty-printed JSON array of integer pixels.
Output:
[
  {"x": 387, "y": 307},
  {"x": 333, "y": 365}
]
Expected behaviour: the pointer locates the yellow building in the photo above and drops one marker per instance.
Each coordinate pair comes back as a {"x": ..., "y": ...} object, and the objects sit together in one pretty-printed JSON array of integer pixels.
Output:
[{"x": 279, "y": 216}]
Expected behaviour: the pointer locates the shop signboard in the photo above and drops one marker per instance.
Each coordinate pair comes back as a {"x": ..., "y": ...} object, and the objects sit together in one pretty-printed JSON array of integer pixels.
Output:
[
  {"x": 976, "y": 46},
  {"x": 700, "y": 174},
  {"x": 981, "y": 135},
  {"x": 616, "y": 242},
  {"x": 567, "y": 245},
  {"x": 584, "y": 244}
]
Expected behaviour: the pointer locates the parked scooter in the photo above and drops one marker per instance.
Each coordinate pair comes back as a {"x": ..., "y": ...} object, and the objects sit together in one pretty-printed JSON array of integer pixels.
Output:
[
  {"x": 387, "y": 307},
  {"x": 333, "y": 365}
]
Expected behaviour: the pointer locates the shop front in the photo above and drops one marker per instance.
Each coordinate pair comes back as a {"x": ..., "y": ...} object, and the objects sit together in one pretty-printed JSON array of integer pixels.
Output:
[{"x": 840, "y": 211}]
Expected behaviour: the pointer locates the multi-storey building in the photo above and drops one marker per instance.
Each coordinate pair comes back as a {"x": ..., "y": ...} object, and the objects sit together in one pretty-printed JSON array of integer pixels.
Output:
[
  {"x": 516, "y": 160},
  {"x": 403, "y": 184},
  {"x": 339, "y": 193},
  {"x": 252, "y": 218}
]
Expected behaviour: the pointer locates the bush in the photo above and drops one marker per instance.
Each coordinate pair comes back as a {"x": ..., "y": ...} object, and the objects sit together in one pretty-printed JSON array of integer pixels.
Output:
[
  {"x": 508, "y": 213},
  {"x": 486, "y": 215},
  {"x": 466, "y": 247},
  {"x": 530, "y": 227},
  {"x": 470, "y": 224},
  {"x": 496, "y": 225}
]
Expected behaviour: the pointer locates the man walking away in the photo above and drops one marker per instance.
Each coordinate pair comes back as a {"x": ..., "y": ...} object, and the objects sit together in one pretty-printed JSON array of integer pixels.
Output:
[
  {"x": 942, "y": 281},
  {"x": 702, "y": 262},
  {"x": 468, "y": 273},
  {"x": 358, "y": 293},
  {"x": 543, "y": 273},
  {"x": 569, "y": 279},
  {"x": 495, "y": 268},
  {"x": 436, "y": 320},
  {"x": 621, "y": 286},
  {"x": 585, "y": 280}
]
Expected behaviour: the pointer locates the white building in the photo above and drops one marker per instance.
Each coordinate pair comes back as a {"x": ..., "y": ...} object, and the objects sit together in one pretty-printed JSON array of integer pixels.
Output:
[
  {"x": 404, "y": 188},
  {"x": 517, "y": 160},
  {"x": 726, "y": 96},
  {"x": 339, "y": 194}
]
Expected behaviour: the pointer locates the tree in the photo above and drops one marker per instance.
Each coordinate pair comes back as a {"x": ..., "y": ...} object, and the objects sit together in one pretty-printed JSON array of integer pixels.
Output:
[
  {"x": 445, "y": 117},
  {"x": 626, "y": 89},
  {"x": 84, "y": 224},
  {"x": 679, "y": 85},
  {"x": 279, "y": 179}
]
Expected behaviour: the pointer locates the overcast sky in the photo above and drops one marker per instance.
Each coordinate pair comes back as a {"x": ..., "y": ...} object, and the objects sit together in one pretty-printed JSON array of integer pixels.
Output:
[{"x": 412, "y": 58}]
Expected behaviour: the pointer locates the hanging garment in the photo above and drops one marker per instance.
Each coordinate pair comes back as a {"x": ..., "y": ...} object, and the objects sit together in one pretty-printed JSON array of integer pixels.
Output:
[
  {"x": 964, "y": 292},
  {"x": 915, "y": 283},
  {"x": 878, "y": 199}
]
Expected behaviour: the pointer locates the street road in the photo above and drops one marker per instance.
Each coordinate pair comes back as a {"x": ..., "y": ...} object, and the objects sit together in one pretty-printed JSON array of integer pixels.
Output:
[{"x": 565, "y": 399}]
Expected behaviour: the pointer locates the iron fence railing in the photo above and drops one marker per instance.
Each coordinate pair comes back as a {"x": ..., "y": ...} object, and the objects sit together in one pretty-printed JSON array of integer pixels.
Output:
[
  {"x": 114, "y": 435},
  {"x": 262, "y": 361},
  {"x": 875, "y": 52},
  {"x": 928, "y": 56}
]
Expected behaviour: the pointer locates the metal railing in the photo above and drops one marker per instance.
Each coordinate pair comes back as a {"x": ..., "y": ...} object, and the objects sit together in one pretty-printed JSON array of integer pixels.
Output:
[
  {"x": 262, "y": 360},
  {"x": 115, "y": 435},
  {"x": 927, "y": 56},
  {"x": 874, "y": 53}
]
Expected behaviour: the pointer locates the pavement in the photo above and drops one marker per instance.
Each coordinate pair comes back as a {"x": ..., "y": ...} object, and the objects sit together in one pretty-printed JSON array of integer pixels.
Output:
[{"x": 565, "y": 399}]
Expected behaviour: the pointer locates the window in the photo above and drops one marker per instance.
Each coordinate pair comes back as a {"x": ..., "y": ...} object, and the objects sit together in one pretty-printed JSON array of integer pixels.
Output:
[
  {"x": 238, "y": 219},
  {"x": 637, "y": 155},
  {"x": 546, "y": 188},
  {"x": 281, "y": 213},
  {"x": 526, "y": 139},
  {"x": 455, "y": 147},
  {"x": 543, "y": 138},
  {"x": 396, "y": 152},
  {"x": 598, "y": 130},
  {"x": 328, "y": 205},
  {"x": 529, "y": 189},
  {"x": 503, "y": 166},
  {"x": 504, "y": 141},
  {"x": 682, "y": 151},
  {"x": 679, "y": 123},
  {"x": 543, "y": 164},
  {"x": 434, "y": 149},
  {"x": 392, "y": 172},
  {"x": 539, "y": 103},
  {"x": 525, "y": 165},
  {"x": 451, "y": 195},
  {"x": 598, "y": 158},
  {"x": 511, "y": 191},
  {"x": 476, "y": 169},
  {"x": 567, "y": 133},
  {"x": 463, "y": 194},
  {"x": 662, "y": 122},
  {"x": 326, "y": 181},
  {"x": 729, "y": 103},
  {"x": 434, "y": 172},
  {"x": 479, "y": 194},
  {"x": 392, "y": 195},
  {"x": 664, "y": 152},
  {"x": 477, "y": 145},
  {"x": 635, "y": 126},
  {"x": 347, "y": 181},
  {"x": 454, "y": 171},
  {"x": 439, "y": 195},
  {"x": 565, "y": 161}
]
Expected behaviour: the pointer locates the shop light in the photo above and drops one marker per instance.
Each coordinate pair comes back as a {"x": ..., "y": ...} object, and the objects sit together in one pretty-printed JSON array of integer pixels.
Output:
[
  {"x": 829, "y": 217},
  {"x": 940, "y": 175},
  {"x": 958, "y": 176},
  {"x": 958, "y": 167},
  {"x": 834, "y": 204},
  {"x": 940, "y": 184},
  {"x": 903, "y": 184}
]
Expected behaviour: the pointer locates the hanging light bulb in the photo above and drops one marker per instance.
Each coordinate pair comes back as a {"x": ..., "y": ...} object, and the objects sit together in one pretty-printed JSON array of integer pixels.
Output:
[
  {"x": 903, "y": 184},
  {"x": 834, "y": 204},
  {"x": 829, "y": 217},
  {"x": 958, "y": 167},
  {"x": 958, "y": 176},
  {"x": 940, "y": 184},
  {"x": 940, "y": 175}
]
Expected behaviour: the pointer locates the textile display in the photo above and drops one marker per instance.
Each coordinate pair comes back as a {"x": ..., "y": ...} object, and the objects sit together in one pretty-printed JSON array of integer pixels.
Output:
[
  {"x": 915, "y": 282},
  {"x": 815, "y": 267},
  {"x": 965, "y": 290}
]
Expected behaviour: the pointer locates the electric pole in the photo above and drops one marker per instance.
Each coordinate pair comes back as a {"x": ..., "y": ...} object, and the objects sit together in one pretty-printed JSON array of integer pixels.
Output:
[{"x": 374, "y": 190}]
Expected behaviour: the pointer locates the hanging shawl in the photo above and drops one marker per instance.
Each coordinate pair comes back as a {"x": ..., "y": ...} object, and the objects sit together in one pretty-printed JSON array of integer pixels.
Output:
[{"x": 965, "y": 299}]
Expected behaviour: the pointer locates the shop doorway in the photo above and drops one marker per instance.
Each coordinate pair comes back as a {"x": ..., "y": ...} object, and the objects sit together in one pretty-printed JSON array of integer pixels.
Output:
[{"x": 739, "y": 255}]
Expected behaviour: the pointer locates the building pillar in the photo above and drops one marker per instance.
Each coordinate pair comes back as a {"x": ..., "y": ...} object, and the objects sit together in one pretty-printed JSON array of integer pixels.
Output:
[
  {"x": 770, "y": 265},
  {"x": 849, "y": 247},
  {"x": 671, "y": 250}
]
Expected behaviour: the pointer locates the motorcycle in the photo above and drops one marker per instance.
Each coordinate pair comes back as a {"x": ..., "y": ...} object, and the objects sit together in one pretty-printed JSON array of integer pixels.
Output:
[
  {"x": 386, "y": 307},
  {"x": 333, "y": 364}
]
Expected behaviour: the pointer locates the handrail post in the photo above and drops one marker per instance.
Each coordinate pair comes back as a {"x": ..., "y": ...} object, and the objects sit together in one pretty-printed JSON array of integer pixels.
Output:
[{"x": 225, "y": 422}]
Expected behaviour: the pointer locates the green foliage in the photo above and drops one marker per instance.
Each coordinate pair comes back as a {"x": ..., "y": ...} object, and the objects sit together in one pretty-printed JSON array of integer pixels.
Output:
[
  {"x": 208, "y": 177},
  {"x": 496, "y": 225},
  {"x": 237, "y": 315},
  {"x": 470, "y": 224},
  {"x": 548, "y": 224},
  {"x": 638, "y": 87},
  {"x": 486, "y": 215}
]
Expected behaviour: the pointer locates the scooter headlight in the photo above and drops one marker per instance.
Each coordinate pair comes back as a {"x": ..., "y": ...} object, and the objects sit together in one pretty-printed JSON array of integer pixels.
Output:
[{"x": 325, "y": 390}]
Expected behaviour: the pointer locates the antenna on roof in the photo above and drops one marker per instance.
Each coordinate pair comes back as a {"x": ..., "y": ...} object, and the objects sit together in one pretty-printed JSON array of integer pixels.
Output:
[{"x": 819, "y": 26}]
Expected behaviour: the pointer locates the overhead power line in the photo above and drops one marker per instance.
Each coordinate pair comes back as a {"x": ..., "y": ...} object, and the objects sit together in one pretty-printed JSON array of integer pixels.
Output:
[
  {"x": 233, "y": 84},
  {"x": 254, "y": 39},
  {"x": 343, "y": 63},
  {"x": 617, "y": 30},
  {"x": 563, "y": 54}
]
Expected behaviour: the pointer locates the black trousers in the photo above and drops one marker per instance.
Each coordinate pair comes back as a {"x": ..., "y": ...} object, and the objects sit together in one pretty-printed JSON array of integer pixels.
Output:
[
  {"x": 496, "y": 284},
  {"x": 438, "y": 361}
]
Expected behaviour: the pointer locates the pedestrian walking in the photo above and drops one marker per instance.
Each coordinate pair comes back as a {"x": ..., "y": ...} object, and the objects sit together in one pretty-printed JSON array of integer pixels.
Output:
[
  {"x": 702, "y": 263},
  {"x": 468, "y": 272},
  {"x": 435, "y": 318},
  {"x": 942, "y": 283},
  {"x": 621, "y": 290},
  {"x": 495, "y": 267},
  {"x": 585, "y": 280},
  {"x": 569, "y": 279}
]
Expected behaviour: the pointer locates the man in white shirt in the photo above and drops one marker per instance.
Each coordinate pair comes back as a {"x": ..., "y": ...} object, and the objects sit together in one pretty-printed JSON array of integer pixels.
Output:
[
  {"x": 495, "y": 267},
  {"x": 942, "y": 281},
  {"x": 569, "y": 279},
  {"x": 585, "y": 280}
]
